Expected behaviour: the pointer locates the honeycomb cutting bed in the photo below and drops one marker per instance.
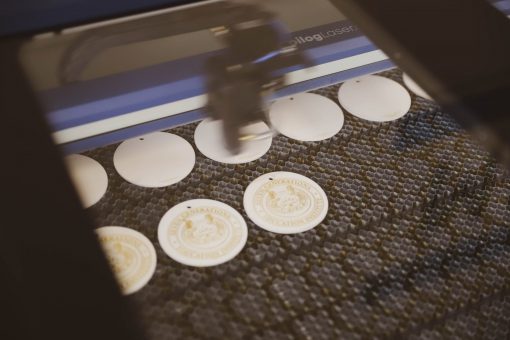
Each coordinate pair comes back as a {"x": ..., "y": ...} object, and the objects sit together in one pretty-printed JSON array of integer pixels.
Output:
[{"x": 415, "y": 244}]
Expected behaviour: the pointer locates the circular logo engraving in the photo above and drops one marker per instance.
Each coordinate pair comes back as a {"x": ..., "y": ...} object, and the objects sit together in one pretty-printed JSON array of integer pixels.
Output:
[
  {"x": 131, "y": 255},
  {"x": 285, "y": 203},
  {"x": 202, "y": 233}
]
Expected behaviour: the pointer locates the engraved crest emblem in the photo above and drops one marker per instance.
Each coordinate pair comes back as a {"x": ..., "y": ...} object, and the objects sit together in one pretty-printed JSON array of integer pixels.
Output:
[
  {"x": 202, "y": 233},
  {"x": 204, "y": 230},
  {"x": 285, "y": 202},
  {"x": 122, "y": 259},
  {"x": 131, "y": 256},
  {"x": 287, "y": 199}
]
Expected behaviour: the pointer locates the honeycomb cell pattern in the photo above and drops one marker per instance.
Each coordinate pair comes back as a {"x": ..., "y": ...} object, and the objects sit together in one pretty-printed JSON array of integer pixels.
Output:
[{"x": 415, "y": 245}]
